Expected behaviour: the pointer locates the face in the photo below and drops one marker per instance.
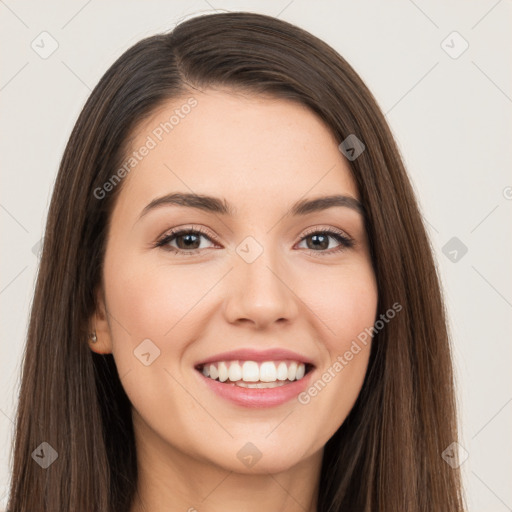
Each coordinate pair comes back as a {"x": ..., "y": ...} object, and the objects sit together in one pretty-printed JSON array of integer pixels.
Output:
[{"x": 274, "y": 284}]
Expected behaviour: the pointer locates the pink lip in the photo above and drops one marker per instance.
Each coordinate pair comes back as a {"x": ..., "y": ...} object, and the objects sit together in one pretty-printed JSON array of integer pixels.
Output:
[
  {"x": 247, "y": 354},
  {"x": 258, "y": 398}
]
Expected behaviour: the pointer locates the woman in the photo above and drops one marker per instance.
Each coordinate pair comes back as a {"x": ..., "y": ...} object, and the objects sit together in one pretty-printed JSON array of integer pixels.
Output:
[{"x": 237, "y": 305}]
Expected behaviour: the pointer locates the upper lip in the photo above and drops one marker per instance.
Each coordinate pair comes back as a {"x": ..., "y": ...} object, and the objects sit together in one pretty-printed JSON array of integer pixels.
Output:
[{"x": 250, "y": 354}]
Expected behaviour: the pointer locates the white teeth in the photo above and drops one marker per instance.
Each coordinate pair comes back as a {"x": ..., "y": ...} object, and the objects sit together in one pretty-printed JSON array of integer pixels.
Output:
[
  {"x": 235, "y": 372},
  {"x": 251, "y": 372},
  {"x": 268, "y": 372},
  {"x": 282, "y": 371},
  {"x": 223, "y": 371},
  {"x": 292, "y": 371}
]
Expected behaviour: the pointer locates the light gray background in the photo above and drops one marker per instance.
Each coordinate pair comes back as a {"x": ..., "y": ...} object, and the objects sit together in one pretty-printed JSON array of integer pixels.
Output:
[{"x": 451, "y": 118}]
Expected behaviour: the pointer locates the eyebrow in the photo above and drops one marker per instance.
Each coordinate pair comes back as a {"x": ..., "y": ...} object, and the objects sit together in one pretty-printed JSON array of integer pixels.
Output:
[{"x": 221, "y": 206}]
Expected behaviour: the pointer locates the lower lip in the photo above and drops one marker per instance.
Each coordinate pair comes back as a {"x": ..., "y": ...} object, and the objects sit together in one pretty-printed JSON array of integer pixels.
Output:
[{"x": 257, "y": 397}]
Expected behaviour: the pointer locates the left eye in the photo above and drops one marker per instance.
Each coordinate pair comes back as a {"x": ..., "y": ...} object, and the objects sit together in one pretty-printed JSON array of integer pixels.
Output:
[
  {"x": 320, "y": 239},
  {"x": 189, "y": 240}
]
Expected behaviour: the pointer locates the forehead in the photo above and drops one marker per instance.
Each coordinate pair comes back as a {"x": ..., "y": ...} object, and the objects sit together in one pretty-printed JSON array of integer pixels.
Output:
[{"x": 245, "y": 148}]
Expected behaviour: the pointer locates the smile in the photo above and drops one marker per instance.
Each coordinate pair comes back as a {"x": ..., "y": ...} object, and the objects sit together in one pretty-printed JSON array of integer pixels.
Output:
[
  {"x": 256, "y": 384},
  {"x": 251, "y": 374}
]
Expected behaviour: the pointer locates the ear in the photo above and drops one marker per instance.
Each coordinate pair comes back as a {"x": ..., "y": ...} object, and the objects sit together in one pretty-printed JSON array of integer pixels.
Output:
[{"x": 99, "y": 323}]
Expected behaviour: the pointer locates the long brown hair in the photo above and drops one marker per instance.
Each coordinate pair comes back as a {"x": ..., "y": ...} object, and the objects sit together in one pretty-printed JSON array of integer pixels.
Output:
[{"x": 386, "y": 456}]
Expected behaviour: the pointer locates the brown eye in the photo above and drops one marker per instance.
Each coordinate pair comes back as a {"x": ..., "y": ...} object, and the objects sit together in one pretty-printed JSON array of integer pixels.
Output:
[
  {"x": 318, "y": 241},
  {"x": 188, "y": 241}
]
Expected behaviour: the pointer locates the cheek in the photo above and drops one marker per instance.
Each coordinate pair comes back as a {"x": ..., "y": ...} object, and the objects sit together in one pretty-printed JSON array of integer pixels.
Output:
[
  {"x": 149, "y": 298},
  {"x": 350, "y": 346},
  {"x": 346, "y": 302},
  {"x": 346, "y": 308},
  {"x": 355, "y": 311}
]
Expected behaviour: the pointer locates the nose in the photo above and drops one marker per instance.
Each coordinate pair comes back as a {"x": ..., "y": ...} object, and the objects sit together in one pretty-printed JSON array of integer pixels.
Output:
[{"x": 261, "y": 292}]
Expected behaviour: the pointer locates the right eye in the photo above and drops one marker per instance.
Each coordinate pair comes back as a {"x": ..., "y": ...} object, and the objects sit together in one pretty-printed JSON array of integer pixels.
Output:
[{"x": 187, "y": 238}]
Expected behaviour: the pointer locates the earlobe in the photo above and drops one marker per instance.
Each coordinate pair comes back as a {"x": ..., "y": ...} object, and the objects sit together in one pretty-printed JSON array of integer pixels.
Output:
[
  {"x": 100, "y": 340},
  {"x": 93, "y": 343}
]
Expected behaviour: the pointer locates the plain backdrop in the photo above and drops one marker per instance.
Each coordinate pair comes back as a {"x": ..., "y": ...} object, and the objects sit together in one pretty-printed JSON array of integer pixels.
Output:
[{"x": 441, "y": 73}]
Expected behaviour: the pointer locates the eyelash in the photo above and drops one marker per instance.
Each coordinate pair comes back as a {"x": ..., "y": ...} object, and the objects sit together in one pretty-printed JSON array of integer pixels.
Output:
[{"x": 345, "y": 241}]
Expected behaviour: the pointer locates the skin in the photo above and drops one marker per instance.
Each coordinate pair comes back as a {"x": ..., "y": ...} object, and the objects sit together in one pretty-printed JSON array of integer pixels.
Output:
[{"x": 261, "y": 154}]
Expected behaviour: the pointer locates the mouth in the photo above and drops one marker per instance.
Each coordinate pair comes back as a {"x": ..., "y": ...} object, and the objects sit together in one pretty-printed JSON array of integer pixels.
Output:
[
  {"x": 255, "y": 374},
  {"x": 254, "y": 378}
]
